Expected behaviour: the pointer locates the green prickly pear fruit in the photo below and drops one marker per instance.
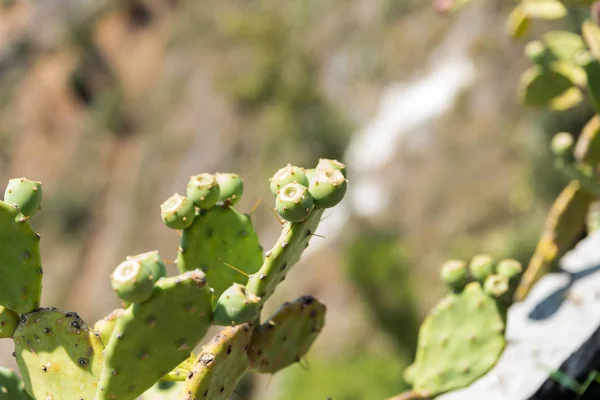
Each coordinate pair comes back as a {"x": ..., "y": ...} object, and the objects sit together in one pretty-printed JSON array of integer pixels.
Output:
[
  {"x": 132, "y": 281},
  {"x": 497, "y": 286},
  {"x": 511, "y": 269},
  {"x": 203, "y": 190},
  {"x": 236, "y": 306},
  {"x": 152, "y": 261},
  {"x": 20, "y": 263},
  {"x": 287, "y": 336},
  {"x": 294, "y": 202},
  {"x": 219, "y": 366},
  {"x": 454, "y": 274},
  {"x": 481, "y": 266},
  {"x": 106, "y": 325},
  {"x": 26, "y": 194},
  {"x": 310, "y": 173},
  {"x": 232, "y": 188},
  {"x": 11, "y": 386},
  {"x": 325, "y": 163},
  {"x": 178, "y": 212},
  {"x": 58, "y": 355},
  {"x": 328, "y": 187},
  {"x": 153, "y": 337},
  {"x": 562, "y": 145},
  {"x": 287, "y": 174},
  {"x": 8, "y": 322}
]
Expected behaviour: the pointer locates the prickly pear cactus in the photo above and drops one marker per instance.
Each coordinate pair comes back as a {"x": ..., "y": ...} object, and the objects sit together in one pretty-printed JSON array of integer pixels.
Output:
[
  {"x": 153, "y": 337},
  {"x": 11, "y": 386},
  {"x": 219, "y": 366},
  {"x": 286, "y": 337},
  {"x": 463, "y": 336},
  {"x": 58, "y": 354}
]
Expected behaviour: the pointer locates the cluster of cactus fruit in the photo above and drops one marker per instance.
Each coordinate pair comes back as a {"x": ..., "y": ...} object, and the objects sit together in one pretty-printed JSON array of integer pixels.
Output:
[{"x": 224, "y": 280}]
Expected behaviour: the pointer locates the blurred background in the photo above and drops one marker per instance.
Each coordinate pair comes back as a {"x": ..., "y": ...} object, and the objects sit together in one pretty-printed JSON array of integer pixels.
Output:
[{"x": 113, "y": 105}]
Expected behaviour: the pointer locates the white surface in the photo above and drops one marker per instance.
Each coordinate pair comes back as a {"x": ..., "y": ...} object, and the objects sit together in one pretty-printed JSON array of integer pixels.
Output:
[{"x": 564, "y": 318}]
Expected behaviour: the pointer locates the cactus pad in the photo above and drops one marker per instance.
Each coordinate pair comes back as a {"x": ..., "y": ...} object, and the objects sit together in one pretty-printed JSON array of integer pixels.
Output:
[
  {"x": 152, "y": 338},
  {"x": 8, "y": 322},
  {"x": 20, "y": 263},
  {"x": 26, "y": 194},
  {"x": 57, "y": 354},
  {"x": 219, "y": 366},
  {"x": 460, "y": 340},
  {"x": 106, "y": 325},
  {"x": 11, "y": 386},
  {"x": 220, "y": 236},
  {"x": 287, "y": 336}
]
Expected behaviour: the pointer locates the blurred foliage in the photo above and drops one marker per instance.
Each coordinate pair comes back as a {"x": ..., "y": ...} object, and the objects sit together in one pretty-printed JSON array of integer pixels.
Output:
[{"x": 360, "y": 377}]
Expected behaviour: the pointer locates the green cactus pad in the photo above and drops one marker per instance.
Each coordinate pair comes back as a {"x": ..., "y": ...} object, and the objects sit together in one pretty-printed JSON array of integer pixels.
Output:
[
  {"x": 236, "y": 306},
  {"x": 164, "y": 390},
  {"x": 287, "y": 336},
  {"x": 106, "y": 325},
  {"x": 287, "y": 174},
  {"x": 8, "y": 322},
  {"x": 455, "y": 274},
  {"x": 587, "y": 149},
  {"x": 327, "y": 187},
  {"x": 178, "y": 212},
  {"x": 220, "y": 364},
  {"x": 481, "y": 266},
  {"x": 203, "y": 190},
  {"x": 294, "y": 202},
  {"x": 286, "y": 252},
  {"x": 180, "y": 372},
  {"x": 152, "y": 338},
  {"x": 592, "y": 69},
  {"x": 11, "y": 386},
  {"x": 460, "y": 340},
  {"x": 20, "y": 263},
  {"x": 132, "y": 281},
  {"x": 219, "y": 237},
  {"x": 26, "y": 194},
  {"x": 231, "y": 188},
  {"x": 325, "y": 163},
  {"x": 58, "y": 354}
]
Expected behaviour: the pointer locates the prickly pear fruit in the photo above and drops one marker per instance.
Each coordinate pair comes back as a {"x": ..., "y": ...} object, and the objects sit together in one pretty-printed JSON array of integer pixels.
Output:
[
  {"x": 153, "y": 337},
  {"x": 587, "y": 149},
  {"x": 563, "y": 225},
  {"x": 219, "y": 238},
  {"x": 287, "y": 174},
  {"x": 232, "y": 188},
  {"x": 497, "y": 286},
  {"x": 236, "y": 306},
  {"x": 327, "y": 187},
  {"x": 8, "y": 322},
  {"x": 286, "y": 252},
  {"x": 20, "y": 263},
  {"x": 310, "y": 173},
  {"x": 563, "y": 144},
  {"x": 106, "y": 325},
  {"x": 287, "y": 336},
  {"x": 132, "y": 281},
  {"x": 511, "y": 269},
  {"x": 459, "y": 341},
  {"x": 178, "y": 212},
  {"x": 294, "y": 203},
  {"x": 154, "y": 262},
  {"x": 203, "y": 190},
  {"x": 454, "y": 274},
  {"x": 481, "y": 266},
  {"x": 11, "y": 386},
  {"x": 220, "y": 364},
  {"x": 57, "y": 355},
  {"x": 26, "y": 194},
  {"x": 325, "y": 163}
]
